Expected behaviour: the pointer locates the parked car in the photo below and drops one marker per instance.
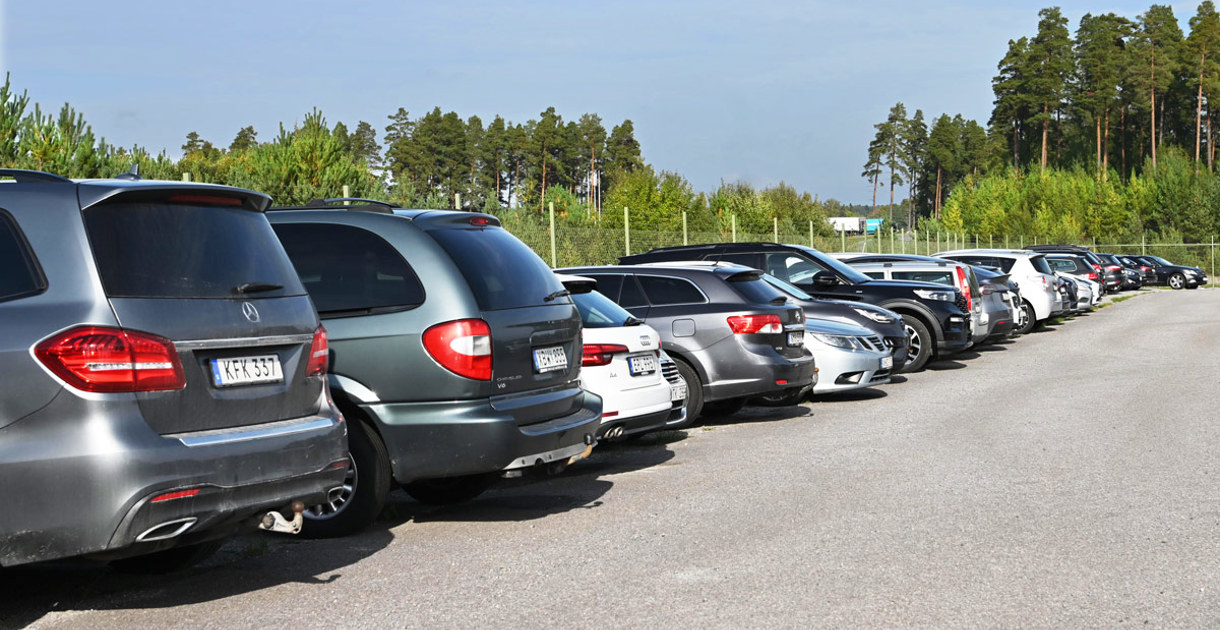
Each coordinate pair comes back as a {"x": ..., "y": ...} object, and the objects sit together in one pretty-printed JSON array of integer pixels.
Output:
[
  {"x": 1040, "y": 296},
  {"x": 162, "y": 373},
  {"x": 936, "y": 319},
  {"x": 848, "y": 356},
  {"x": 1131, "y": 278},
  {"x": 1175, "y": 276},
  {"x": 992, "y": 281},
  {"x": 1110, "y": 277},
  {"x": 1147, "y": 274},
  {"x": 733, "y": 336},
  {"x": 880, "y": 321},
  {"x": 621, "y": 362},
  {"x": 455, "y": 352}
]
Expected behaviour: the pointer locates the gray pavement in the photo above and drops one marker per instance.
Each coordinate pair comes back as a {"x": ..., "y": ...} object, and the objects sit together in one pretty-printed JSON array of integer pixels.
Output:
[{"x": 1066, "y": 479}]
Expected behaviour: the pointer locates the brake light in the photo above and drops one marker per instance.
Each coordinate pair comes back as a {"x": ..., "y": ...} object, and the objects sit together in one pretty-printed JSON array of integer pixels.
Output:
[
  {"x": 965, "y": 288},
  {"x": 755, "y": 324},
  {"x": 319, "y": 354},
  {"x": 595, "y": 354},
  {"x": 480, "y": 221},
  {"x": 462, "y": 346},
  {"x": 1097, "y": 268},
  {"x": 112, "y": 360},
  {"x": 211, "y": 200},
  {"x": 1112, "y": 268},
  {"x": 1093, "y": 275}
]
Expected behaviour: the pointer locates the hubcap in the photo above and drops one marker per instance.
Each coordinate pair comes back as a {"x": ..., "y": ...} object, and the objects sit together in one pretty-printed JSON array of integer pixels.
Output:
[
  {"x": 1176, "y": 282},
  {"x": 337, "y": 498}
]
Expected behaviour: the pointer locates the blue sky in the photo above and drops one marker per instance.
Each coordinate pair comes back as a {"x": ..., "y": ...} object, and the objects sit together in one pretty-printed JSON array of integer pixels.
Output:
[{"x": 760, "y": 92}]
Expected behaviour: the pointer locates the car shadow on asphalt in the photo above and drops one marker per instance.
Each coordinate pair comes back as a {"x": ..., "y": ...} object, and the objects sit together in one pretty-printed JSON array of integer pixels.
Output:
[
  {"x": 248, "y": 563},
  {"x": 867, "y": 393},
  {"x": 537, "y": 494},
  {"x": 753, "y": 414}
]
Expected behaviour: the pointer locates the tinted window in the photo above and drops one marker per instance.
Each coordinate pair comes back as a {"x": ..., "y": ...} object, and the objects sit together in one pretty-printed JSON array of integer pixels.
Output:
[
  {"x": 786, "y": 287},
  {"x": 19, "y": 273},
  {"x": 792, "y": 268},
  {"x": 597, "y": 311},
  {"x": 609, "y": 285},
  {"x": 755, "y": 290},
  {"x": 501, "y": 270},
  {"x": 152, "y": 249},
  {"x": 1004, "y": 264},
  {"x": 1039, "y": 263},
  {"x": 844, "y": 271},
  {"x": 631, "y": 295},
  {"x": 348, "y": 269},
  {"x": 1060, "y": 264},
  {"x": 876, "y": 275},
  {"x": 939, "y": 277},
  {"x": 663, "y": 290}
]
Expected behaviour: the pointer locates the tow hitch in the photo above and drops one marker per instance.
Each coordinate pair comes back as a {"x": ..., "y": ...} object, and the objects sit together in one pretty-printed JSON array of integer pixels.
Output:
[{"x": 273, "y": 521}]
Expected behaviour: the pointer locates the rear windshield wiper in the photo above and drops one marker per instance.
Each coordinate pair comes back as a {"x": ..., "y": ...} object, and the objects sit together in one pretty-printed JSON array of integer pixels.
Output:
[
  {"x": 633, "y": 321},
  {"x": 557, "y": 294},
  {"x": 779, "y": 301},
  {"x": 256, "y": 287}
]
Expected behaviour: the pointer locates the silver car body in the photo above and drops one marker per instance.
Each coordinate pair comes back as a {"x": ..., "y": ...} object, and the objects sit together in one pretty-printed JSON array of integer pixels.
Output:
[{"x": 848, "y": 356}]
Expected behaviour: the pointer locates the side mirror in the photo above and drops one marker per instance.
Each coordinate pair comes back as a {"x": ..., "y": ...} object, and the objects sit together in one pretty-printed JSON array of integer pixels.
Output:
[{"x": 825, "y": 280}]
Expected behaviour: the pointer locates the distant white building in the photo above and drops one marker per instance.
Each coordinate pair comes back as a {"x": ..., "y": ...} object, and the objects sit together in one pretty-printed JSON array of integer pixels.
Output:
[{"x": 850, "y": 225}]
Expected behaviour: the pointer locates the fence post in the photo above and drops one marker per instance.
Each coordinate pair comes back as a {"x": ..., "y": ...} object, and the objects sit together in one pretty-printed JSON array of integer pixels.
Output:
[
  {"x": 990, "y": 241},
  {"x": 186, "y": 177},
  {"x": 684, "y": 241},
  {"x": 734, "y": 227},
  {"x": 1213, "y": 276},
  {"x": 554, "y": 260},
  {"x": 1022, "y": 241},
  {"x": 842, "y": 237},
  {"x": 627, "y": 229},
  {"x": 915, "y": 241},
  {"x": 903, "y": 241},
  {"x": 891, "y": 239},
  {"x": 1143, "y": 243},
  {"x": 878, "y": 239},
  {"x": 810, "y": 233},
  {"x": 775, "y": 229}
]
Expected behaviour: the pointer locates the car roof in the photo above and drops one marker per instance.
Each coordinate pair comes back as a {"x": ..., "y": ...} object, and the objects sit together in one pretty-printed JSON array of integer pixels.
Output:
[
  {"x": 718, "y": 268},
  {"x": 91, "y": 192},
  {"x": 1013, "y": 253}
]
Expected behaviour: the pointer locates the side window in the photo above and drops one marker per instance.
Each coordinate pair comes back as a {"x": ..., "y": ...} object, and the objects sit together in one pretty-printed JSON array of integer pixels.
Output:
[
  {"x": 1060, "y": 264},
  {"x": 348, "y": 269},
  {"x": 791, "y": 268},
  {"x": 608, "y": 285},
  {"x": 939, "y": 277},
  {"x": 631, "y": 295},
  {"x": 20, "y": 275},
  {"x": 662, "y": 290},
  {"x": 747, "y": 259},
  {"x": 875, "y": 275}
]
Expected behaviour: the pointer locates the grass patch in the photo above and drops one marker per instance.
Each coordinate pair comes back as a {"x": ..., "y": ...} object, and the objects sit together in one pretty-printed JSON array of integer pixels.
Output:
[{"x": 1121, "y": 298}]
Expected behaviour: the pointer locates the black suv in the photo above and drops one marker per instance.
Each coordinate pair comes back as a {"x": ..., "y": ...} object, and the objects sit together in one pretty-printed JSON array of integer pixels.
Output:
[
  {"x": 455, "y": 352},
  {"x": 733, "y": 336},
  {"x": 930, "y": 311}
]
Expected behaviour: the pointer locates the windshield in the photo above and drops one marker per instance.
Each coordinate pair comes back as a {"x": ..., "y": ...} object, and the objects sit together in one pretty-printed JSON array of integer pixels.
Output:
[
  {"x": 850, "y": 274},
  {"x": 790, "y": 289},
  {"x": 597, "y": 311}
]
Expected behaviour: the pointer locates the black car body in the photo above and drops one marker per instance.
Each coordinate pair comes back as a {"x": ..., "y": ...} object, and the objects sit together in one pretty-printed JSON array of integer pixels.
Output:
[
  {"x": 930, "y": 311},
  {"x": 1174, "y": 276},
  {"x": 1132, "y": 278}
]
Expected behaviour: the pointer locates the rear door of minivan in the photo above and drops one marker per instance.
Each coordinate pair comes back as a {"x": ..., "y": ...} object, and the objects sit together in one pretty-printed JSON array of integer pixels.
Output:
[{"x": 201, "y": 268}]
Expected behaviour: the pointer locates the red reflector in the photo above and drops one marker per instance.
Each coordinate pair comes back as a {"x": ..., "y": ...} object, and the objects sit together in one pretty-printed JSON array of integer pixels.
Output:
[
  {"x": 755, "y": 324},
  {"x": 178, "y": 494},
  {"x": 595, "y": 354},
  {"x": 609, "y": 414},
  {"x": 340, "y": 463},
  {"x": 480, "y": 221},
  {"x": 319, "y": 354},
  {"x": 112, "y": 360},
  {"x": 462, "y": 346},
  {"x": 781, "y": 382},
  {"x": 211, "y": 200}
]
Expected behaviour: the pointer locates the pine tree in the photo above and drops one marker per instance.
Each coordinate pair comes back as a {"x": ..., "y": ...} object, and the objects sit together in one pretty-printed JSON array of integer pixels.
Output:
[
  {"x": 1050, "y": 64},
  {"x": 1156, "y": 43},
  {"x": 1203, "y": 45}
]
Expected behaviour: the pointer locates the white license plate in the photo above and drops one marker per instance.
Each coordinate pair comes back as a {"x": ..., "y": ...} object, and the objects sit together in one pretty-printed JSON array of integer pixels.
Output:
[
  {"x": 641, "y": 364},
  {"x": 550, "y": 359},
  {"x": 887, "y": 363},
  {"x": 796, "y": 338},
  {"x": 677, "y": 392},
  {"x": 247, "y": 370}
]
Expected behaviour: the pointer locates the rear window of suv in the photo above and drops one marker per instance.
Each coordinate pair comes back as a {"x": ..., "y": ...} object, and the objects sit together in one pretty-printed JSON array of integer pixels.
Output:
[
  {"x": 20, "y": 275},
  {"x": 501, "y": 270},
  {"x": 151, "y": 249}
]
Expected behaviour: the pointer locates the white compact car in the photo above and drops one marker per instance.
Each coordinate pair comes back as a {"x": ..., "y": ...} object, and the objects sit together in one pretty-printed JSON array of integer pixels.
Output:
[
  {"x": 848, "y": 356},
  {"x": 1039, "y": 294},
  {"x": 623, "y": 363}
]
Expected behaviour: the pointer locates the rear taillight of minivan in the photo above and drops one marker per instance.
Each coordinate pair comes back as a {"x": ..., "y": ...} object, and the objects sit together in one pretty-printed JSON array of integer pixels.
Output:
[
  {"x": 319, "y": 354},
  {"x": 964, "y": 286},
  {"x": 756, "y": 324},
  {"x": 462, "y": 347},
  {"x": 112, "y": 360}
]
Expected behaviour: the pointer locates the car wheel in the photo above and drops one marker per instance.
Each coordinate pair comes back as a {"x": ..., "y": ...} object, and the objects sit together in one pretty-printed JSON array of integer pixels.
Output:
[
  {"x": 449, "y": 490},
  {"x": 168, "y": 560},
  {"x": 919, "y": 344},
  {"x": 1177, "y": 281},
  {"x": 722, "y": 408},
  {"x": 1029, "y": 317},
  {"x": 783, "y": 398},
  {"x": 356, "y": 504},
  {"x": 694, "y": 391}
]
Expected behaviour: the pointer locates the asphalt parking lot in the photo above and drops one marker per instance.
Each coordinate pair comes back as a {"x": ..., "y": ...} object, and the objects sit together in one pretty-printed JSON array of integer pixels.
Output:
[{"x": 1068, "y": 478}]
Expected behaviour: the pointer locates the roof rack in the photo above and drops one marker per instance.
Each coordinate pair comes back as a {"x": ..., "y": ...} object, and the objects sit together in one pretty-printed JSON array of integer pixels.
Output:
[
  {"x": 23, "y": 176},
  {"x": 358, "y": 204}
]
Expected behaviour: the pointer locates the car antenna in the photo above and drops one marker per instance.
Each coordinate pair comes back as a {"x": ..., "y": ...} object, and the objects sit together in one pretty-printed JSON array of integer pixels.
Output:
[{"x": 131, "y": 175}]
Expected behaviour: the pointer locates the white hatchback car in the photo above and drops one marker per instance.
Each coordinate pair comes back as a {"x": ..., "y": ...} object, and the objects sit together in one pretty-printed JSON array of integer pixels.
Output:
[
  {"x": 1039, "y": 294},
  {"x": 622, "y": 362}
]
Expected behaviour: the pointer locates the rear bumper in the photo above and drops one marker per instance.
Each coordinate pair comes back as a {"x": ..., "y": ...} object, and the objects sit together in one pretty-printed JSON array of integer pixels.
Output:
[
  {"x": 754, "y": 375},
  {"x": 955, "y": 333},
  {"x": 431, "y": 440},
  {"x": 74, "y": 492}
]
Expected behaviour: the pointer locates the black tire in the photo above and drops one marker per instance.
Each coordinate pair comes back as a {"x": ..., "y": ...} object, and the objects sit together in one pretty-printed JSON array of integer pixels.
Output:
[
  {"x": 449, "y": 490},
  {"x": 364, "y": 490},
  {"x": 722, "y": 408},
  {"x": 1030, "y": 318},
  {"x": 1177, "y": 281},
  {"x": 168, "y": 560},
  {"x": 919, "y": 344},
  {"x": 784, "y": 398},
  {"x": 694, "y": 391}
]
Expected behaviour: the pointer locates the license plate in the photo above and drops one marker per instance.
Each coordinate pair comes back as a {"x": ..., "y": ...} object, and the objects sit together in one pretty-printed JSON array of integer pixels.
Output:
[
  {"x": 887, "y": 363},
  {"x": 796, "y": 338},
  {"x": 246, "y": 371},
  {"x": 642, "y": 364},
  {"x": 550, "y": 359},
  {"x": 677, "y": 392}
]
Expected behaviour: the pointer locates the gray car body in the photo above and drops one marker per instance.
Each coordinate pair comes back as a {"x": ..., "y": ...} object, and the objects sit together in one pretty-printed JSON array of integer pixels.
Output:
[
  {"x": 729, "y": 366},
  {"x": 79, "y": 470},
  {"x": 433, "y": 423}
]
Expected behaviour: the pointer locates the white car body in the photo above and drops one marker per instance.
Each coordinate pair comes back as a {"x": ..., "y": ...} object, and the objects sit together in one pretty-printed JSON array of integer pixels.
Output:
[
  {"x": 1026, "y": 268},
  {"x": 848, "y": 356}
]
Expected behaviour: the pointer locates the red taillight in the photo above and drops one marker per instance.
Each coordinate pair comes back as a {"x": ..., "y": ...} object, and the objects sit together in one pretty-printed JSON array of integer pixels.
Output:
[
  {"x": 178, "y": 494},
  {"x": 1112, "y": 268},
  {"x": 1145, "y": 268},
  {"x": 480, "y": 221},
  {"x": 319, "y": 354},
  {"x": 1093, "y": 276},
  {"x": 112, "y": 360},
  {"x": 595, "y": 354},
  {"x": 462, "y": 347},
  {"x": 964, "y": 285},
  {"x": 1097, "y": 268},
  {"x": 755, "y": 324}
]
